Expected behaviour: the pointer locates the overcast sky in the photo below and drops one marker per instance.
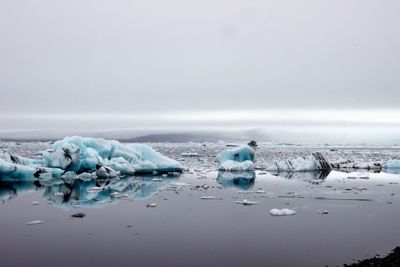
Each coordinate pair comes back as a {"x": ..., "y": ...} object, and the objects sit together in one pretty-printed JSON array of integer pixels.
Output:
[{"x": 164, "y": 56}]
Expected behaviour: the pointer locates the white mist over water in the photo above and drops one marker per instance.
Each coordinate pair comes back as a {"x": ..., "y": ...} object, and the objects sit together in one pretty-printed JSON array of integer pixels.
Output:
[{"x": 379, "y": 127}]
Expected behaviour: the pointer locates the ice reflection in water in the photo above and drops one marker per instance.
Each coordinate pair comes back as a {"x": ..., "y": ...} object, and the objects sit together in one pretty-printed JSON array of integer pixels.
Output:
[
  {"x": 95, "y": 192},
  {"x": 306, "y": 176},
  {"x": 243, "y": 179}
]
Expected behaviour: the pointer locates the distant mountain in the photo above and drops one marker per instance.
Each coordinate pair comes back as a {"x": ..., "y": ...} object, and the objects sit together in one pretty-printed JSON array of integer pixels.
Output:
[{"x": 180, "y": 138}]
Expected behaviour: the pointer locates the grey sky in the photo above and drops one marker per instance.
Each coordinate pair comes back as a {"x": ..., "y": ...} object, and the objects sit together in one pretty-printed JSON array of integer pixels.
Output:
[{"x": 144, "y": 56}]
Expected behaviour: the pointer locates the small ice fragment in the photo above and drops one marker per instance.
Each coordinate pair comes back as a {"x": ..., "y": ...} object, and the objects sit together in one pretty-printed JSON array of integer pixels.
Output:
[
  {"x": 205, "y": 186},
  {"x": 115, "y": 194},
  {"x": 151, "y": 205},
  {"x": 282, "y": 212},
  {"x": 78, "y": 215},
  {"x": 95, "y": 188},
  {"x": 164, "y": 175},
  {"x": 208, "y": 197},
  {"x": 260, "y": 192},
  {"x": 58, "y": 194},
  {"x": 34, "y": 203},
  {"x": 34, "y": 222},
  {"x": 246, "y": 202},
  {"x": 323, "y": 212},
  {"x": 156, "y": 180}
]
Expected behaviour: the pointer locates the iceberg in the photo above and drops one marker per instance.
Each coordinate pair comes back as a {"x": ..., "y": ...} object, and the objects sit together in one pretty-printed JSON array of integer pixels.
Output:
[
  {"x": 315, "y": 162},
  {"x": 79, "y": 155},
  {"x": 237, "y": 159}
]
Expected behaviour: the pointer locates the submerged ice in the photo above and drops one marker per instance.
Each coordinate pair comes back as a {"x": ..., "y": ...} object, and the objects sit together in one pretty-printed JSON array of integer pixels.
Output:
[{"x": 103, "y": 158}]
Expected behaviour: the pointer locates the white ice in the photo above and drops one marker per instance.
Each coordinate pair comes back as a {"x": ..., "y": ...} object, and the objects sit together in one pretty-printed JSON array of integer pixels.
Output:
[{"x": 282, "y": 212}]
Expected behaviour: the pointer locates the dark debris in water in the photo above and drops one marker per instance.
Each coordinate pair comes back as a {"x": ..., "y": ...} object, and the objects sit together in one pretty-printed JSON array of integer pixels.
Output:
[
  {"x": 391, "y": 260},
  {"x": 78, "y": 215}
]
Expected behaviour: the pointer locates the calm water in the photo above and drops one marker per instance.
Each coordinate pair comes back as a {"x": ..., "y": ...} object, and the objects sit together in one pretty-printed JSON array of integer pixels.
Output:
[{"x": 186, "y": 230}]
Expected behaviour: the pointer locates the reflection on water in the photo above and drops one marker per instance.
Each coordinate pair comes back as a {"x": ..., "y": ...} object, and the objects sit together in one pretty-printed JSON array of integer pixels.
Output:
[
  {"x": 307, "y": 176},
  {"x": 78, "y": 193},
  {"x": 243, "y": 180}
]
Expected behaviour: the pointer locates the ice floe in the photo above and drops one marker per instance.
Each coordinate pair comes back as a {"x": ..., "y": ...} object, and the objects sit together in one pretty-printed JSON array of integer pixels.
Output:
[
  {"x": 246, "y": 202},
  {"x": 282, "y": 212}
]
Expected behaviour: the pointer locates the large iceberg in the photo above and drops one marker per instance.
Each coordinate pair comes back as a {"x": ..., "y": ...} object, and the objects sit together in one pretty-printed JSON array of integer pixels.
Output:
[
  {"x": 237, "y": 159},
  {"x": 315, "y": 162},
  {"x": 103, "y": 158}
]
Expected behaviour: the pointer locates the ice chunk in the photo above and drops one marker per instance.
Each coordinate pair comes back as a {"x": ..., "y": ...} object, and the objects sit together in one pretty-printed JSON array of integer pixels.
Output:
[
  {"x": 105, "y": 172},
  {"x": 237, "y": 159},
  {"x": 246, "y": 202},
  {"x": 282, "y": 212},
  {"x": 234, "y": 166},
  {"x": 66, "y": 157},
  {"x": 11, "y": 171},
  {"x": 35, "y": 222},
  {"x": 314, "y": 162}
]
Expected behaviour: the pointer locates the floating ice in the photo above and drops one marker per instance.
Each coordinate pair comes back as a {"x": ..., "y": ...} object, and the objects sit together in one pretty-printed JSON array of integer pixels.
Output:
[
  {"x": 282, "y": 212},
  {"x": 34, "y": 222},
  {"x": 314, "y": 162},
  {"x": 107, "y": 158},
  {"x": 246, "y": 202},
  {"x": 237, "y": 159}
]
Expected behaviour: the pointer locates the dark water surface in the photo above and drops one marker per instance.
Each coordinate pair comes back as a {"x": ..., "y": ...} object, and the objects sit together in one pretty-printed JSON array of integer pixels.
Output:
[{"x": 186, "y": 230}]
